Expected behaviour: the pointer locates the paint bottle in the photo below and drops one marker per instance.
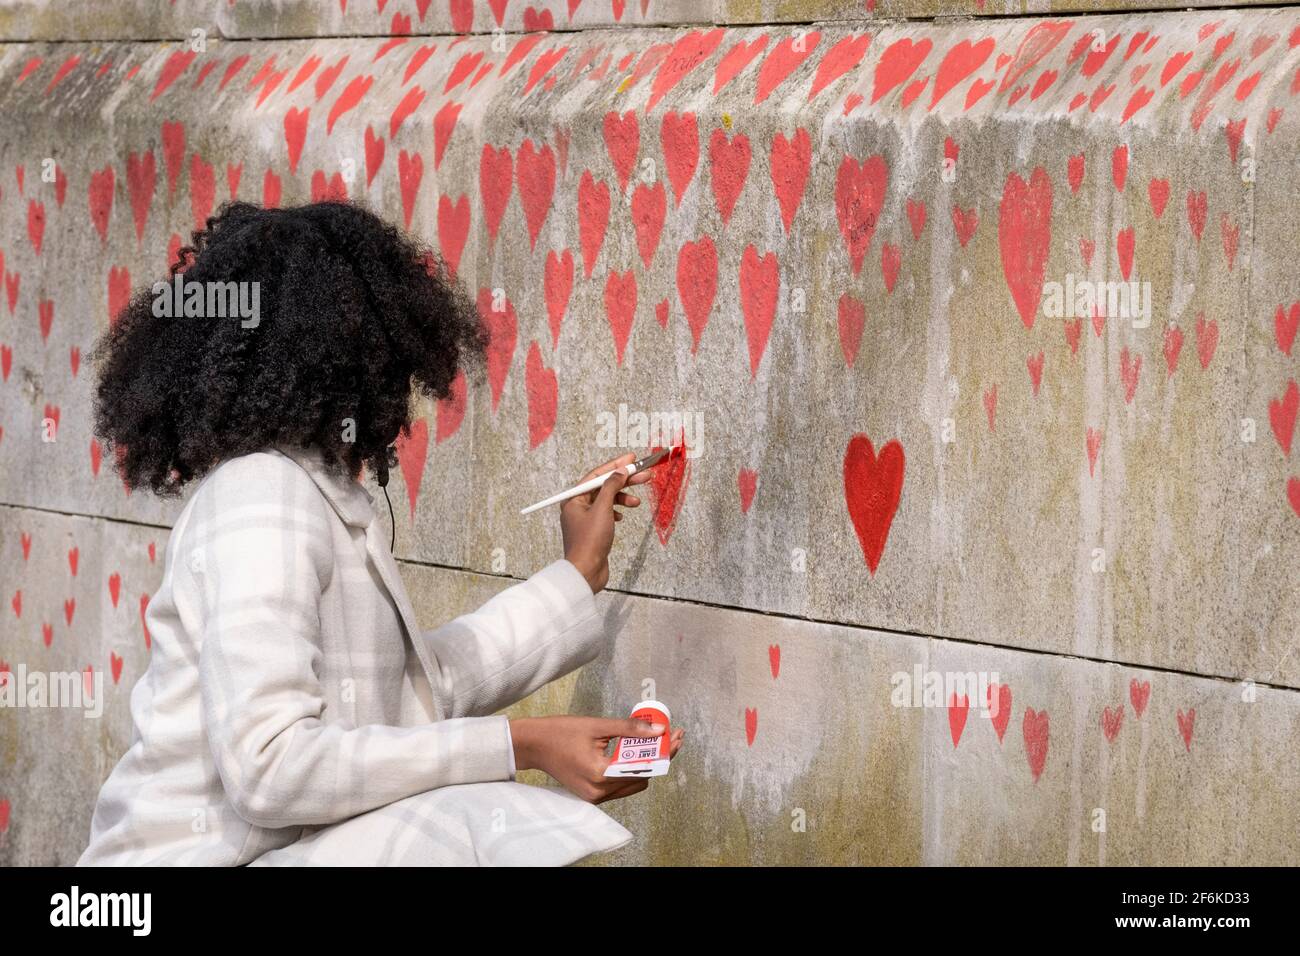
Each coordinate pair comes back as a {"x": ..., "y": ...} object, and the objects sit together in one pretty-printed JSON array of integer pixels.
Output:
[{"x": 643, "y": 756}]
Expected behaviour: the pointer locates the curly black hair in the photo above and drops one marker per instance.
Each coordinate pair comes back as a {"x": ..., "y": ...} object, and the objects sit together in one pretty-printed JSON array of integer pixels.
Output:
[{"x": 354, "y": 315}]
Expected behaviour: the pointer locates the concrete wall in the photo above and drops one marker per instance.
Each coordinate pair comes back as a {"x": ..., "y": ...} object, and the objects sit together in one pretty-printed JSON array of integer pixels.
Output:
[{"x": 1102, "y": 510}]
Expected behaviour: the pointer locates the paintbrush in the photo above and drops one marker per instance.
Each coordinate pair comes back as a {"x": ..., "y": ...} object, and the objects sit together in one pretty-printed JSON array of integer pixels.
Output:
[{"x": 591, "y": 484}]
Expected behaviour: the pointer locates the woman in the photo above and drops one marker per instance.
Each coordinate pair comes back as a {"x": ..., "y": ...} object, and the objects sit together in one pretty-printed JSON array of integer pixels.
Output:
[{"x": 292, "y": 711}]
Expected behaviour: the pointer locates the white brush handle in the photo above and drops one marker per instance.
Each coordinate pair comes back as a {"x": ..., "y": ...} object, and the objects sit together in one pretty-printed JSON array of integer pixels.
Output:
[{"x": 591, "y": 484}]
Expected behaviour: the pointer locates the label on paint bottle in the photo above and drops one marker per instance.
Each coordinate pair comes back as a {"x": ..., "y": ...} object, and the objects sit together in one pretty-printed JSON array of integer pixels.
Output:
[{"x": 643, "y": 756}]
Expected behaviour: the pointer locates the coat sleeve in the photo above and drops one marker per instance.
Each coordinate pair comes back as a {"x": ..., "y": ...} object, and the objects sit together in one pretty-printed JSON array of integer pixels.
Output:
[
  {"x": 524, "y": 637},
  {"x": 264, "y": 559}
]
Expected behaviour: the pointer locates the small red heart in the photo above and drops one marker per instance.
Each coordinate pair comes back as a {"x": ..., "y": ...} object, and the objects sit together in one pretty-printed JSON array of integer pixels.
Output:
[
  {"x": 1094, "y": 448},
  {"x": 1111, "y": 721},
  {"x": 114, "y": 587},
  {"x": 1173, "y": 346},
  {"x": 1138, "y": 695},
  {"x": 1285, "y": 323},
  {"x": 1036, "y": 734},
  {"x": 751, "y": 724},
  {"x": 747, "y": 481},
  {"x": 852, "y": 321},
  {"x": 1207, "y": 339},
  {"x": 115, "y": 664},
  {"x": 1185, "y": 724},
  {"x": 999, "y": 704},
  {"x": 774, "y": 659},
  {"x": 958, "y": 711},
  {"x": 1282, "y": 416},
  {"x": 1035, "y": 365}
]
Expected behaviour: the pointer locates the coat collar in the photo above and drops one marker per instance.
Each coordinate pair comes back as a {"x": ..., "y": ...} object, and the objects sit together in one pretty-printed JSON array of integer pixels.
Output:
[
  {"x": 347, "y": 497},
  {"x": 354, "y": 505}
]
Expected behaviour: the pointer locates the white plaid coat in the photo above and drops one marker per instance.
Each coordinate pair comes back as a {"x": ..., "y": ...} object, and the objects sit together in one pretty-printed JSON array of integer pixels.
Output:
[{"x": 293, "y": 712}]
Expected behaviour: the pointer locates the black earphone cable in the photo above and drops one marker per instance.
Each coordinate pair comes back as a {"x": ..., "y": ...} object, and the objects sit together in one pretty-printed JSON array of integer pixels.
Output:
[{"x": 392, "y": 521}]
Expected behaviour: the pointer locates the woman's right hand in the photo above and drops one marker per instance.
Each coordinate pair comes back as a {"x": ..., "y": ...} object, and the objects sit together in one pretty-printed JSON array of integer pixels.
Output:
[
  {"x": 587, "y": 521},
  {"x": 572, "y": 750}
]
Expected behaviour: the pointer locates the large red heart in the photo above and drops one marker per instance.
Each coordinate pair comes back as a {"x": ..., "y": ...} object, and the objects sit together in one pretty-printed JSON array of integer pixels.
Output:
[
  {"x": 735, "y": 60},
  {"x": 412, "y": 449},
  {"x": 622, "y": 140},
  {"x": 535, "y": 169},
  {"x": 410, "y": 171},
  {"x": 1025, "y": 237},
  {"x": 203, "y": 190},
  {"x": 648, "y": 208},
  {"x": 873, "y": 486},
  {"x": 680, "y": 138},
  {"x": 453, "y": 227},
  {"x": 502, "y": 328},
  {"x": 295, "y": 134},
  {"x": 667, "y": 487},
  {"x": 141, "y": 178},
  {"x": 697, "y": 284},
  {"x": 620, "y": 308},
  {"x": 729, "y": 165},
  {"x": 760, "y": 283},
  {"x": 782, "y": 61},
  {"x": 557, "y": 286},
  {"x": 348, "y": 100},
  {"x": 963, "y": 59},
  {"x": 686, "y": 54},
  {"x": 101, "y": 199},
  {"x": 791, "y": 160},
  {"x": 839, "y": 59},
  {"x": 897, "y": 64},
  {"x": 859, "y": 195},
  {"x": 451, "y": 410},
  {"x": 593, "y": 219},
  {"x": 543, "y": 397},
  {"x": 495, "y": 176}
]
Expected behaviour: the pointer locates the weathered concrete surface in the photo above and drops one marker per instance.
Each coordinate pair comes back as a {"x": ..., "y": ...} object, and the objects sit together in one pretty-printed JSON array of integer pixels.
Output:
[
  {"x": 826, "y": 770},
  {"x": 1000, "y": 496},
  {"x": 1168, "y": 540},
  {"x": 177, "y": 19}
]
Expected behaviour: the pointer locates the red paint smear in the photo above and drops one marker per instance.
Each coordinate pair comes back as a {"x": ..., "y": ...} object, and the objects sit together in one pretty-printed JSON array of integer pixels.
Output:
[{"x": 667, "y": 488}]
